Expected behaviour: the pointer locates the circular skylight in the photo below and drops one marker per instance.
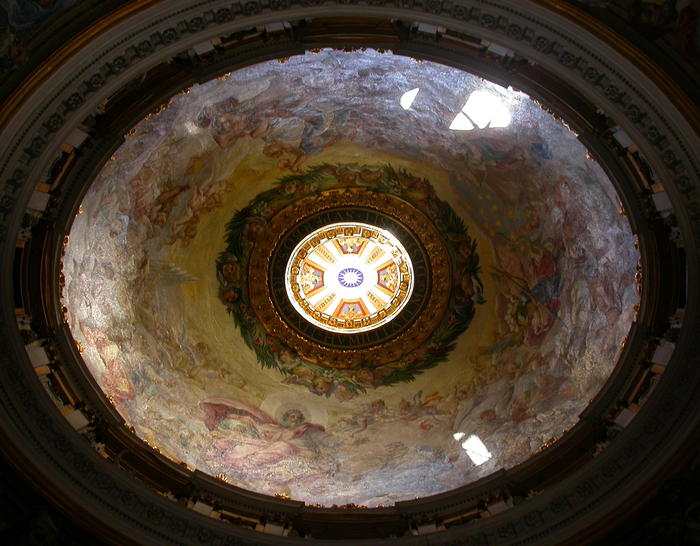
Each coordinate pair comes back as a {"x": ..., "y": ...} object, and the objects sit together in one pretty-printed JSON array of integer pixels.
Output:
[{"x": 349, "y": 277}]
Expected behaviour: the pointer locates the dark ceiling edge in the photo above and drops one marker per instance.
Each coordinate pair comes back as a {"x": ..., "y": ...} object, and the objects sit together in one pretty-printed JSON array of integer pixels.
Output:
[
  {"x": 643, "y": 62},
  {"x": 437, "y": 537}
]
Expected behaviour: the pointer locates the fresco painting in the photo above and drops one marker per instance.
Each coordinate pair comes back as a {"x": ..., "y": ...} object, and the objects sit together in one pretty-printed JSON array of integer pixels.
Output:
[{"x": 543, "y": 289}]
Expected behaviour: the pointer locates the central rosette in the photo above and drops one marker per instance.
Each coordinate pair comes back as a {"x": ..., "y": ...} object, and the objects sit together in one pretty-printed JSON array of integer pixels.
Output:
[{"x": 349, "y": 277}]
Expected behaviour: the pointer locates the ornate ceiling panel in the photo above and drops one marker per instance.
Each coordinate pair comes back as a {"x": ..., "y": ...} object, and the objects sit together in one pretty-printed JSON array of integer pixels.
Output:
[
  {"x": 524, "y": 273},
  {"x": 625, "y": 85}
]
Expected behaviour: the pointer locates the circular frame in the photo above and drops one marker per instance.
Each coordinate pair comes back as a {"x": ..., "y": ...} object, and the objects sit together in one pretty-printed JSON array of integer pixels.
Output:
[
  {"x": 386, "y": 343},
  {"x": 571, "y": 46},
  {"x": 322, "y": 262}
]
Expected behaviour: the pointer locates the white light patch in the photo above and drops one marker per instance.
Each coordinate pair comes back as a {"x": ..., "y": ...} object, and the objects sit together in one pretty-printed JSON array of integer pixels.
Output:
[
  {"x": 476, "y": 450},
  {"x": 408, "y": 98},
  {"x": 458, "y": 436},
  {"x": 484, "y": 107},
  {"x": 461, "y": 123},
  {"x": 192, "y": 128},
  {"x": 501, "y": 119}
]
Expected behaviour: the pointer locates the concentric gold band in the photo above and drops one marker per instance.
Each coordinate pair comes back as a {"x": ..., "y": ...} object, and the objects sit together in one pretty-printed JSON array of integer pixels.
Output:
[{"x": 382, "y": 351}]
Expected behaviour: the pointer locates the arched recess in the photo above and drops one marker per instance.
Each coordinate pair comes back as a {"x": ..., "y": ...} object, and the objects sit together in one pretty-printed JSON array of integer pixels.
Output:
[{"x": 46, "y": 110}]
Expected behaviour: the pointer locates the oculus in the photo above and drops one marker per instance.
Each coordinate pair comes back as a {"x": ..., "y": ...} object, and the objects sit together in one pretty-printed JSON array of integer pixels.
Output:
[
  {"x": 345, "y": 342},
  {"x": 349, "y": 277}
]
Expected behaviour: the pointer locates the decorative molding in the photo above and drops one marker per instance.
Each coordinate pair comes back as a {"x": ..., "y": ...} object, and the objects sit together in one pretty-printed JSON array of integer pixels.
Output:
[
  {"x": 631, "y": 90},
  {"x": 427, "y": 316}
]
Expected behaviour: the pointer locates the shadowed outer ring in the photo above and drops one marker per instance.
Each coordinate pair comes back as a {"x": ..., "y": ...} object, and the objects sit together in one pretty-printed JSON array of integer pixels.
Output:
[{"x": 56, "y": 459}]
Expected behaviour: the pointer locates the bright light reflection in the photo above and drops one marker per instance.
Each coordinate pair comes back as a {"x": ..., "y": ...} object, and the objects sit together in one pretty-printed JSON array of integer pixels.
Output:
[
  {"x": 461, "y": 123},
  {"x": 408, "y": 98},
  {"x": 484, "y": 107},
  {"x": 349, "y": 277},
  {"x": 476, "y": 450},
  {"x": 192, "y": 128},
  {"x": 501, "y": 119},
  {"x": 458, "y": 436}
]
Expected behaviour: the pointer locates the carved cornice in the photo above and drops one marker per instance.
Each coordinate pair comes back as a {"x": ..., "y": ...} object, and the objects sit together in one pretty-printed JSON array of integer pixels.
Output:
[
  {"x": 624, "y": 83},
  {"x": 634, "y": 55},
  {"x": 61, "y": 56}
]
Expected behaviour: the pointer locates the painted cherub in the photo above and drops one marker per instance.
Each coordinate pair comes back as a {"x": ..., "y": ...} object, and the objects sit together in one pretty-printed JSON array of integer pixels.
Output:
[
  {"x": 425, "y": 412},
  {"x": 201, "y": 202},
  {"x": 368, "y": 415},
  {"x": 309, "y": 279}
]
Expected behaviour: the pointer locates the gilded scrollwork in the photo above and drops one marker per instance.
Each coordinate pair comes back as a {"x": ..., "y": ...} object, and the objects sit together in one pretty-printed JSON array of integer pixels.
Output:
[
  {"x": 260, "y": 241},
  {"x": 384, "y": 351}
]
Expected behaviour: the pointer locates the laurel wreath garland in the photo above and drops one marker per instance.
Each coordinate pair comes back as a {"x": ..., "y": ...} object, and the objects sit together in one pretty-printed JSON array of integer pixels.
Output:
[{"x": 247, "y": 227}]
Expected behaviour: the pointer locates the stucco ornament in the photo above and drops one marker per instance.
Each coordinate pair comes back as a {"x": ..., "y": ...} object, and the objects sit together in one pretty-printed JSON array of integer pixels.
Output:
[{"x": 369, "y": 349}]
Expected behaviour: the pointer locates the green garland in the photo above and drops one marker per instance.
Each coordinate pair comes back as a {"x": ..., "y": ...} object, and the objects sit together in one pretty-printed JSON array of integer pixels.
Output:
[{"x": 247, "y": 226}]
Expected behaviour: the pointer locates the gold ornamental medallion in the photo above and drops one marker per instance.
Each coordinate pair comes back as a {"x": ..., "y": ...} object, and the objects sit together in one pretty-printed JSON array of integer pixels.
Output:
[{"x": 349, "y": 277}]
